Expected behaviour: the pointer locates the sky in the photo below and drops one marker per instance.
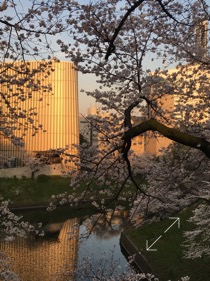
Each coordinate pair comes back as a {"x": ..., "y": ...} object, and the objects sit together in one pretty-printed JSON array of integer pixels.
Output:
[{"x": 88, "y": 83}]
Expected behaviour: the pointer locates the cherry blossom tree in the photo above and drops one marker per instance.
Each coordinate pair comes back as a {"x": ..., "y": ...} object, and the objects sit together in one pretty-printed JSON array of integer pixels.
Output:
[
  {"x": 27, "y": 29},
  {"x": 131, "y": 47},
  {"x": 143, "y": 54}
]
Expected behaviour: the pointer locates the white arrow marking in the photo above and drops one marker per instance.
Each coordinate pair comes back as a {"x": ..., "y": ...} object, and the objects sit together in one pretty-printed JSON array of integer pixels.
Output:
[
  {"x": 148, "y": 248},
  {"x": 176, "y": 220}
]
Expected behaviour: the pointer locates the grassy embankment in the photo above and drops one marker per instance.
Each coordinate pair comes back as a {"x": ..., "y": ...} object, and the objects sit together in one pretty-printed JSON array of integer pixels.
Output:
[
  {"x": 32, "y": 192},
  {"x": 29, "y": 192},
  {"x": 37, "y": 193},
  {"x": 168, "y": 262}
]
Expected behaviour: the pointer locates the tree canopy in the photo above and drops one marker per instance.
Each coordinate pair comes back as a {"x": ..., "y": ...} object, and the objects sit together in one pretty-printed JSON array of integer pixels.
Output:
[{"x": 151, "y": 61}]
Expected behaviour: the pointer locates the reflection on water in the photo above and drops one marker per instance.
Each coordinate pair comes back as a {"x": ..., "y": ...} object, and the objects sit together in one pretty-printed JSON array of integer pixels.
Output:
[
  {"x": 102, "y": 246},
  {"x": 56, "y": 258},
  {"x": 43, "y": 259}
]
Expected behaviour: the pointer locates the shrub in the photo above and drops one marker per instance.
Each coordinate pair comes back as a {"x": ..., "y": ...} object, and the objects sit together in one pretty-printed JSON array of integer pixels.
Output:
[{"x": 42, "y": 178}]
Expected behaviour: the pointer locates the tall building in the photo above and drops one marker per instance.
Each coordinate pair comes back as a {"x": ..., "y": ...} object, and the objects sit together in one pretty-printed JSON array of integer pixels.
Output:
[
  {"x": 201, "y": 39},
  {"x": 56, "y": 111},
  {"x": 188, "y": 107},
  {"x": 192, "y": 84}
]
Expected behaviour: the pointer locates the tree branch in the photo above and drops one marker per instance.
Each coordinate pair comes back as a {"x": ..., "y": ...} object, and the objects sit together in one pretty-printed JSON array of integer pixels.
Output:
[
  {"x": 136, "y": 4},
  {"x": 170, "y": 133},
  {"x": 111, "y": 47},
  {"x": 167, "y": 12}
]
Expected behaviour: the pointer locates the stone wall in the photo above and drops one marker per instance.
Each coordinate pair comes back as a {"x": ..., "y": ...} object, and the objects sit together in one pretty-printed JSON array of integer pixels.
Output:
[
  {"x": 131, "y": 250},
  {"x": 19, "y": 172}
]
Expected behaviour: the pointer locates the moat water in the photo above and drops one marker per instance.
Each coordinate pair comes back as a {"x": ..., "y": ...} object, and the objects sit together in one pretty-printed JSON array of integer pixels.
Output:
[{"x": 70, "y": 250}]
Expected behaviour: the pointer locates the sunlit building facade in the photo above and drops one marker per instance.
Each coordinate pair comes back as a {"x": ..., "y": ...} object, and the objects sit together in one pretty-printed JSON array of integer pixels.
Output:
[
  {"x": 57, "y": 114},
  {"x": 186, "y": 108},
  {"x": 174, "y": 105}
]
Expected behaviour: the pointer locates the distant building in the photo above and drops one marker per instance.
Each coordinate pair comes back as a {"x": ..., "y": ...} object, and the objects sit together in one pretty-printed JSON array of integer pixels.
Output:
[
  {"x": 174, "y": 105},
  {"x": 201, "y": 39},
  {"x": 57, "y": 113},
  {"x": 97, "y": 139},
  {"x": 92, "y": 111},
  {"x": 139, "y": 142},
  {"x": 86, "y": 126}
]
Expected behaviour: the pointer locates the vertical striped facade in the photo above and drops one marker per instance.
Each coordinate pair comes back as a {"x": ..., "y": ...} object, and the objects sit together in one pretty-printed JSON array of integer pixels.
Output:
[{"x": 57, "y": 113}]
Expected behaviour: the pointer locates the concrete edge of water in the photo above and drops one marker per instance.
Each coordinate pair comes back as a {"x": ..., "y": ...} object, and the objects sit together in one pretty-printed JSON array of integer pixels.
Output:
[
  {"x": 131, "y": 249},
  {"x": 44, "y": 206}
]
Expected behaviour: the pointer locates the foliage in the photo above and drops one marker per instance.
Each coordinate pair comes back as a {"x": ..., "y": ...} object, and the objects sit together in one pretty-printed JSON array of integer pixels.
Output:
[
  {"x": 35, "y": 164},
  {"x": 6, "y": 272},
  {"x": 197, "y": 240},
  {"x": 181, "y": 181},
  {"x": 13, "y": 226},
  {"x": 26, "y": 31},
  {"x": 42, "y": 178},
  {"x": 130, "y": 47},
  {"x": 26, "y": 192},
  {"x": 168, "y": 261},
  {"x": 145, "y": 55}
]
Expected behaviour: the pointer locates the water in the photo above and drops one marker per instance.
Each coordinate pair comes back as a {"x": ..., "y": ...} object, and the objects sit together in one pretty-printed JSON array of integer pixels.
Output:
[
  {"x": 67, "y": 251},
  {"x": 102, "y": 248}
]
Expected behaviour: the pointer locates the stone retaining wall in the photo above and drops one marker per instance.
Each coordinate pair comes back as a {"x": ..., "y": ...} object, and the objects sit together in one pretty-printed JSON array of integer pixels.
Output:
[
  {"x": 131, "y": 250},
  {"x": 19, "y": 172}
]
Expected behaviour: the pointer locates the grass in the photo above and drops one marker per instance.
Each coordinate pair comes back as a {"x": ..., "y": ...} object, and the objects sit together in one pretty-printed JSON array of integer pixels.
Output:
[
  {"x": 30, "y": 192},
  {"x": 168, "y": 262},
  {"x": 25, "y": 192},
  {"x": 37, "y": 192}
]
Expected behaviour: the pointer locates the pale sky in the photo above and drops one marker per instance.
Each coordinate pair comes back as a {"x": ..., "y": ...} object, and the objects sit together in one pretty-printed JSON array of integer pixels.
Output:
[{"x": 86, "y": 82}]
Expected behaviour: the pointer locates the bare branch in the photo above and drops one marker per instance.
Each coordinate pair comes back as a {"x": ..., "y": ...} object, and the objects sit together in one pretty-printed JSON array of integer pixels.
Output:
[{"x": 117, "y": 30}]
